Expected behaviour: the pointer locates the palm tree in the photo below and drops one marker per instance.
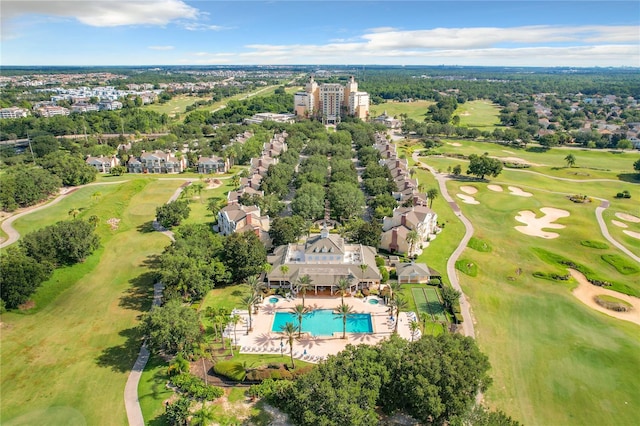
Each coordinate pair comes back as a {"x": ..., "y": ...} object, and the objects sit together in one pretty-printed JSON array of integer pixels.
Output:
[
  {"x": 398, "y": 304},
  {"x": 432, "y": 194},
  {"x": 96, "y": 195},
  {"x": 255, "y": 285},
  {"x": 235, "y": 319},
  {"x": 449, "y": 296},
  {"x": 299, "y": 311},
  {"x": 413, "y": 326},
  {"x": 249, "y": 300},
  {"x": 219, "y": 321},
  {"x": 345, "y": 311},
  {"x": 74, "y": 212},
  {"x": 283, "y": 269},
  {"x": 304, "y": 284},
  {"x": 363, "y": 268},
  {"x": 198, "y": 187},
  {"x": 394, "y": 288},
  {"x": 343, "y": 285},
  {"x": 570, "y": 159},
  {"x": 412, "y": 239},
  {"x": 235, "y": 181},
  {"x": 289, "y": 331}
]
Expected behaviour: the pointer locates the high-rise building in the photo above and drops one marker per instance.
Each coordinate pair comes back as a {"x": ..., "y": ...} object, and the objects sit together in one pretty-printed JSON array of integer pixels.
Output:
[{"x": 329, "y": 101}]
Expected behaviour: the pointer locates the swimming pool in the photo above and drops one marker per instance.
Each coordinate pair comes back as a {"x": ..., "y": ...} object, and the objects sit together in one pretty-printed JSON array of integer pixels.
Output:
[
  {"x": 273, "y": 300},
  {"x": 374, "y": 301},
  {"x": 324, "y": 322}
]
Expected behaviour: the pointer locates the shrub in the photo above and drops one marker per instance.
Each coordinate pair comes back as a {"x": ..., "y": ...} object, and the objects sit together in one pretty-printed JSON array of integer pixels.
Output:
[
  {"x": 196, "y": 388},
  {"x": 612, "y": 303},
  {"x": 623, "y": 194},
  {"x": 230, "y": 369},
  {"x": 479, "y": 245},
  {"x": 458, "y": 317},
  {"x": 379, "y": 261},
  {"x": 467, "y": 266},
  {"x": 594, "y": 244},
  {"x": 620, "y": 263},
  {"x": 384, "y": 273}
]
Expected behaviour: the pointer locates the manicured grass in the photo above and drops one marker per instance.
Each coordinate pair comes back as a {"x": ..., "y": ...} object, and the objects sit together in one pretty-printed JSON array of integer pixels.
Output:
[
  {"x": 176, "y": 105},
  {"x": 73, "y": 353},
  {"x": 467, "y": 266},
  {"x": 604, "y": 299},
  {"x": 152, "y": 388},
  {"x": 623, "y": 265},
  {"x": 555, "y": 360},
  {"x": 595, "y": 244},
  {"x": 416, "y": 110},
  {"x": 481, "y": 114},
  {"x": 479, "y": 245},
  {"x": 435, "y": 307}
]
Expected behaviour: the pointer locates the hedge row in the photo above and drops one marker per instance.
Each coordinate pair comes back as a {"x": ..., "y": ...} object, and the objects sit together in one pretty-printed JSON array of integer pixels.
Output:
[{"x": 196, "y": 388}]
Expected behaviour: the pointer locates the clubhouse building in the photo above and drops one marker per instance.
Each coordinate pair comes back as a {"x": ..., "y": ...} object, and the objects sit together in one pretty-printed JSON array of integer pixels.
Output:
[{"x": 326, "y": 259}]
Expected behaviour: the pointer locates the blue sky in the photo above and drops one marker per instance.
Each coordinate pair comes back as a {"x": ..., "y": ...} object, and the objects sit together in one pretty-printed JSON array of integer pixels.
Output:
[{"x": 184, "y": 32}]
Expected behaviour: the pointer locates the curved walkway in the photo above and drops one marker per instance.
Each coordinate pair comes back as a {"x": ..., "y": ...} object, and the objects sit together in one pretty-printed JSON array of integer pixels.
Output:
[
  {"x": 131, "y": 401},
  {"x": 467, "y": 325},
  {"x": 605, "y": 231},
  {"x": 7, "y": 225}
]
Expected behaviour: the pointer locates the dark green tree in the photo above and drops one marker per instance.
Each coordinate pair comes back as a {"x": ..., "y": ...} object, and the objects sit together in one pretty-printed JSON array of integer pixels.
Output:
[
  {"x": 26, "y": 186},
  {"x": 21, "y": 276},
  {"x": 636, "y": 166},
  {"x": 346, "y": 200},
  {"x": 285, "y": 230},
  {"x": 244, "y": 255},
  {"x": 483, "y": 165},
  {"x": 171, "y": 328},
  {"x": 64, "y": 243},
  {"x": 73, "y": 171},
  {"x": 172, "y": 214}
]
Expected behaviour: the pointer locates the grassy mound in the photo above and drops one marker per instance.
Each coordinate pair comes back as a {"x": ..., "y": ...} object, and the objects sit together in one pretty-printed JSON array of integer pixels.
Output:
[
  {"x": 612, "y": 303},
  {"x": 620, "y": 263},
  {"x": 468, "y": 267},
  {"x": 479, "y": 245},
  {"x": 556, "y": 259},
  {"x": 594, "y": 244},
  {"x": 230, "y": 369}
]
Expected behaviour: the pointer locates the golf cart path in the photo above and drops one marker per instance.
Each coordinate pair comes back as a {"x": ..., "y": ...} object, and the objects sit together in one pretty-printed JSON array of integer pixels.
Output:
[
  {"x": 131, "y": 401},
  {"x": 7, "y": 225},
  {"x": 467, "y": 324}
]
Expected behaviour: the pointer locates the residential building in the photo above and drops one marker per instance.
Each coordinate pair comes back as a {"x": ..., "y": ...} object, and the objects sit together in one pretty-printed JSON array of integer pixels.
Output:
[
  {"x": 270, "y": 116},
  {"x": 212, "y": 164},
  {"x": 52, "y": 110},
  {"x": 388, "y": 121},
  {"x": 13, "y": 112},
  {"x": 103, "y": 164},
  {"x": 238, "y": 218},
  {"x": 396, "y": 229},
  {"x": 157, "y": 162},
  {"x": 418, "y": 273},
  {"x": 110, "y": 105},
  {"x": 326, "y": 259},
  {"x": 84, "y": 107}
]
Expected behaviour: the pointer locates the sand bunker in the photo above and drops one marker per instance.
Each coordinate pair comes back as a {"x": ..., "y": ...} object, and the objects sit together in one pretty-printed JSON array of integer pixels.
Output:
[
  {"x": 535, "y": 225},
  {"x": 467, "y": 199},
  {"x": 517, "y": 160},
  {"x": 632, "y": 234},
  {"x": 586, "y": 291},
  {"x": 468, "y": 190},
  {"x": 628, "y": 217},
  {"x": 495, "y": 188},
  {"x": 519, "y": 192},
  {"x": 454, "y": 144},
  {"x": 619, "y": 224}
]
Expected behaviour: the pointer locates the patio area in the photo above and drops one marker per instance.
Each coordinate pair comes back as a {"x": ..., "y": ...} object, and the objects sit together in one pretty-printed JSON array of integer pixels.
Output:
[{"x": 316, "y": 348}]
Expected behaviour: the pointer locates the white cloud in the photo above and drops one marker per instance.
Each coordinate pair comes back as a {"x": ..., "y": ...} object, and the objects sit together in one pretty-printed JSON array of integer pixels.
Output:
[
  {"x": 104, "y": 13},
  {"x": 197, "y": 26},
  {"x": 161, "y": 47},
  {"x": 517, "y": 46}
]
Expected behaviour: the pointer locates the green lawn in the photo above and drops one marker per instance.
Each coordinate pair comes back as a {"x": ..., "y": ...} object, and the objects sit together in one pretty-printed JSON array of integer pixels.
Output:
[
  {"x": 67, "y": 361},
  {"x": 176, "y": 105},
  {"x": 555, "y": 361},
  {"x": 481, "y": 114},
  {"x": 415, "y": 110}
]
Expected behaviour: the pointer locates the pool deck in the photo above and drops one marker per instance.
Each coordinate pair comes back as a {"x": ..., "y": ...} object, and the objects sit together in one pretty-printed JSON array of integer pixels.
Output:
[{"x": 315, "y": 348}]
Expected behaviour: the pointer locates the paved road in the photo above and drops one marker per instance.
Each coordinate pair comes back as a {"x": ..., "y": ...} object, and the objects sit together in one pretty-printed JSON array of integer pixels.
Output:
[
  {"x": 7, "y": 225},
  {"x": 605, "y": 232},
  {"x": 131, "y": 401},
  {"x": 465, "y": 307}
]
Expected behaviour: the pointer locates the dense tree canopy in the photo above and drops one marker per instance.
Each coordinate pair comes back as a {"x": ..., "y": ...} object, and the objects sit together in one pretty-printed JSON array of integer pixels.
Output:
[
  {"x": 21, "y": 276},
  {"x": 434, "y": 379},
  {"x": 171, "y": 327},
  {"x": 73, "y": 171},
  {"x": 285, "y": 230},
  {"x": 25, "y": 186},
  {"x": 346, "y": 200},
  {"x": 173, "y": 213},
  {"x": 244, "y": 255}
]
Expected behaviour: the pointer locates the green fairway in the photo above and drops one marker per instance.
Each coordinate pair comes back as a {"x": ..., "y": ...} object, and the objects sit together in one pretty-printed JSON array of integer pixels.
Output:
[
  {"x": 176, "y": 105},
  {"x": 416, "y": 110},
  {"x": 555, "y": 361},
  {"x": 481, "y": 114},
  {"x": 67, "y": 361}
]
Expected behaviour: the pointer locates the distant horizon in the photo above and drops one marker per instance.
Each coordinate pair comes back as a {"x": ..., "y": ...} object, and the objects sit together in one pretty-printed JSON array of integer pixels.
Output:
[{"x": 534, "y": 33}]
